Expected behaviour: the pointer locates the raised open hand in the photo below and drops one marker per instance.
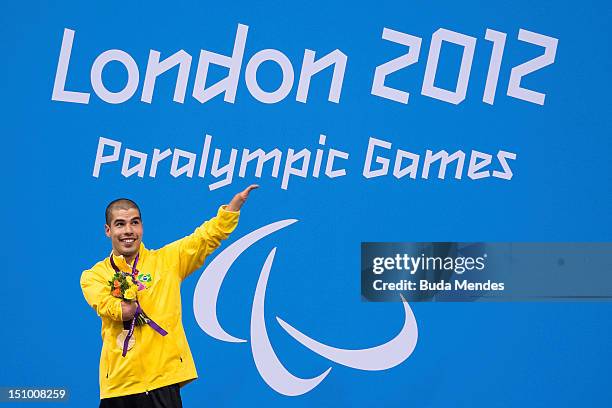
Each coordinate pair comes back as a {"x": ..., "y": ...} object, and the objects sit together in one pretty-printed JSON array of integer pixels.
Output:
[{"x": 239, "y": 199}]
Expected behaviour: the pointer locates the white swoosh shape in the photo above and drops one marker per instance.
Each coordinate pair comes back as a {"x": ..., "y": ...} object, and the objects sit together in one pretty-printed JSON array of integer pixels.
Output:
[
  {"x": 208, "y": 286},
  {"x": 269, "y": 366},
  {"x": 381, "y": 357}
]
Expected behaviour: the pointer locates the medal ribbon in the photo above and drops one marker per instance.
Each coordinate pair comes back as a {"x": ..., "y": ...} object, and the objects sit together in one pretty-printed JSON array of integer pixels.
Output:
[
  {"x": 139, "y": 311},
  {"x": 134, "y": 273},
  {"x": 147, "y": 320}
]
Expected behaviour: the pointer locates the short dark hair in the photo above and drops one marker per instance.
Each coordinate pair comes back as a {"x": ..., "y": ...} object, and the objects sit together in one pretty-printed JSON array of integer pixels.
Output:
[{"x": 120, "y": 203}]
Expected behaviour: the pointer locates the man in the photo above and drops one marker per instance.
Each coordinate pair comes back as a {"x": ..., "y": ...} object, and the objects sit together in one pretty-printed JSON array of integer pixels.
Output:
[{"x": 147, "y": 368}]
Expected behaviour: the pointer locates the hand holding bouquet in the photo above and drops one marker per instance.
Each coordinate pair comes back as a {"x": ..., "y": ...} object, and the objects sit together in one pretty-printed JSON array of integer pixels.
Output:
[{"x": 121, "y": 287}]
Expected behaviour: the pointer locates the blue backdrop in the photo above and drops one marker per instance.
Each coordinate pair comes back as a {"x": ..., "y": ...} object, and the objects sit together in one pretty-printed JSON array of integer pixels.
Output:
[{"x": 508, "y": 354}]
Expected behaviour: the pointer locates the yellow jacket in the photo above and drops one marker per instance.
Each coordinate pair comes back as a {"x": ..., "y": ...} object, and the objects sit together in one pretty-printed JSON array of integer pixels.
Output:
[{"x": 155, "y": 360}]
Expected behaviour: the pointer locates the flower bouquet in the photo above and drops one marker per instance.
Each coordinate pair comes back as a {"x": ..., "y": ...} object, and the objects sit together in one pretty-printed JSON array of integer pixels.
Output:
[
  {"x": 122, "y": 288},
  {"x": 126, "y": 286}
]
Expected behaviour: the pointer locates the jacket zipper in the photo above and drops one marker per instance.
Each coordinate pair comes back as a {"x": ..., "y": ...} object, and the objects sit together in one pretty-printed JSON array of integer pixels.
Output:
[
  {"x": 178, "y": 350},
  {"x": 142, "y": 365},
  {"x": 107, "y": 362}
]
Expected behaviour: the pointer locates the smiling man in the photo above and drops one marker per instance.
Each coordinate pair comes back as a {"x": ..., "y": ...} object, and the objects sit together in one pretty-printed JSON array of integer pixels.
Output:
[{"x": 144, "y": 365}]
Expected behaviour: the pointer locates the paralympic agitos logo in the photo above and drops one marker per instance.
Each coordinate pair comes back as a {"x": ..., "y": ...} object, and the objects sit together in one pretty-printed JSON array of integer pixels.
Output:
[{"x": 271, "y": 369}]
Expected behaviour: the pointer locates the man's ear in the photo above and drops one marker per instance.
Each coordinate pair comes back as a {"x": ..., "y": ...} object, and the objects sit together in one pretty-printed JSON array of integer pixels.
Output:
[{"x": 107, "y": 230}]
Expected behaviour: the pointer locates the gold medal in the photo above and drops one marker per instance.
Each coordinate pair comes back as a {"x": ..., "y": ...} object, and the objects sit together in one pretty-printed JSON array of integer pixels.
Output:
[{"x": 121, "y": 339}]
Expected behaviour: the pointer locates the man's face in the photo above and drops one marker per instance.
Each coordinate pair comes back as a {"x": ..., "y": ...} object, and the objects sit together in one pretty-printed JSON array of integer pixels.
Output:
[{"x": 125, "y": 231}]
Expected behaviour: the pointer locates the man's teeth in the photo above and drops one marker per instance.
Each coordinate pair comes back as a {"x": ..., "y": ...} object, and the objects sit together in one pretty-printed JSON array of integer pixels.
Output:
[{"x": 127, "y": 241}]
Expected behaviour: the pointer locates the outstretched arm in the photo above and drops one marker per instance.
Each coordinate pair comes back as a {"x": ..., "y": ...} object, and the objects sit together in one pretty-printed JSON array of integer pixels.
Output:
[{"x": 191, "y": 251}]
